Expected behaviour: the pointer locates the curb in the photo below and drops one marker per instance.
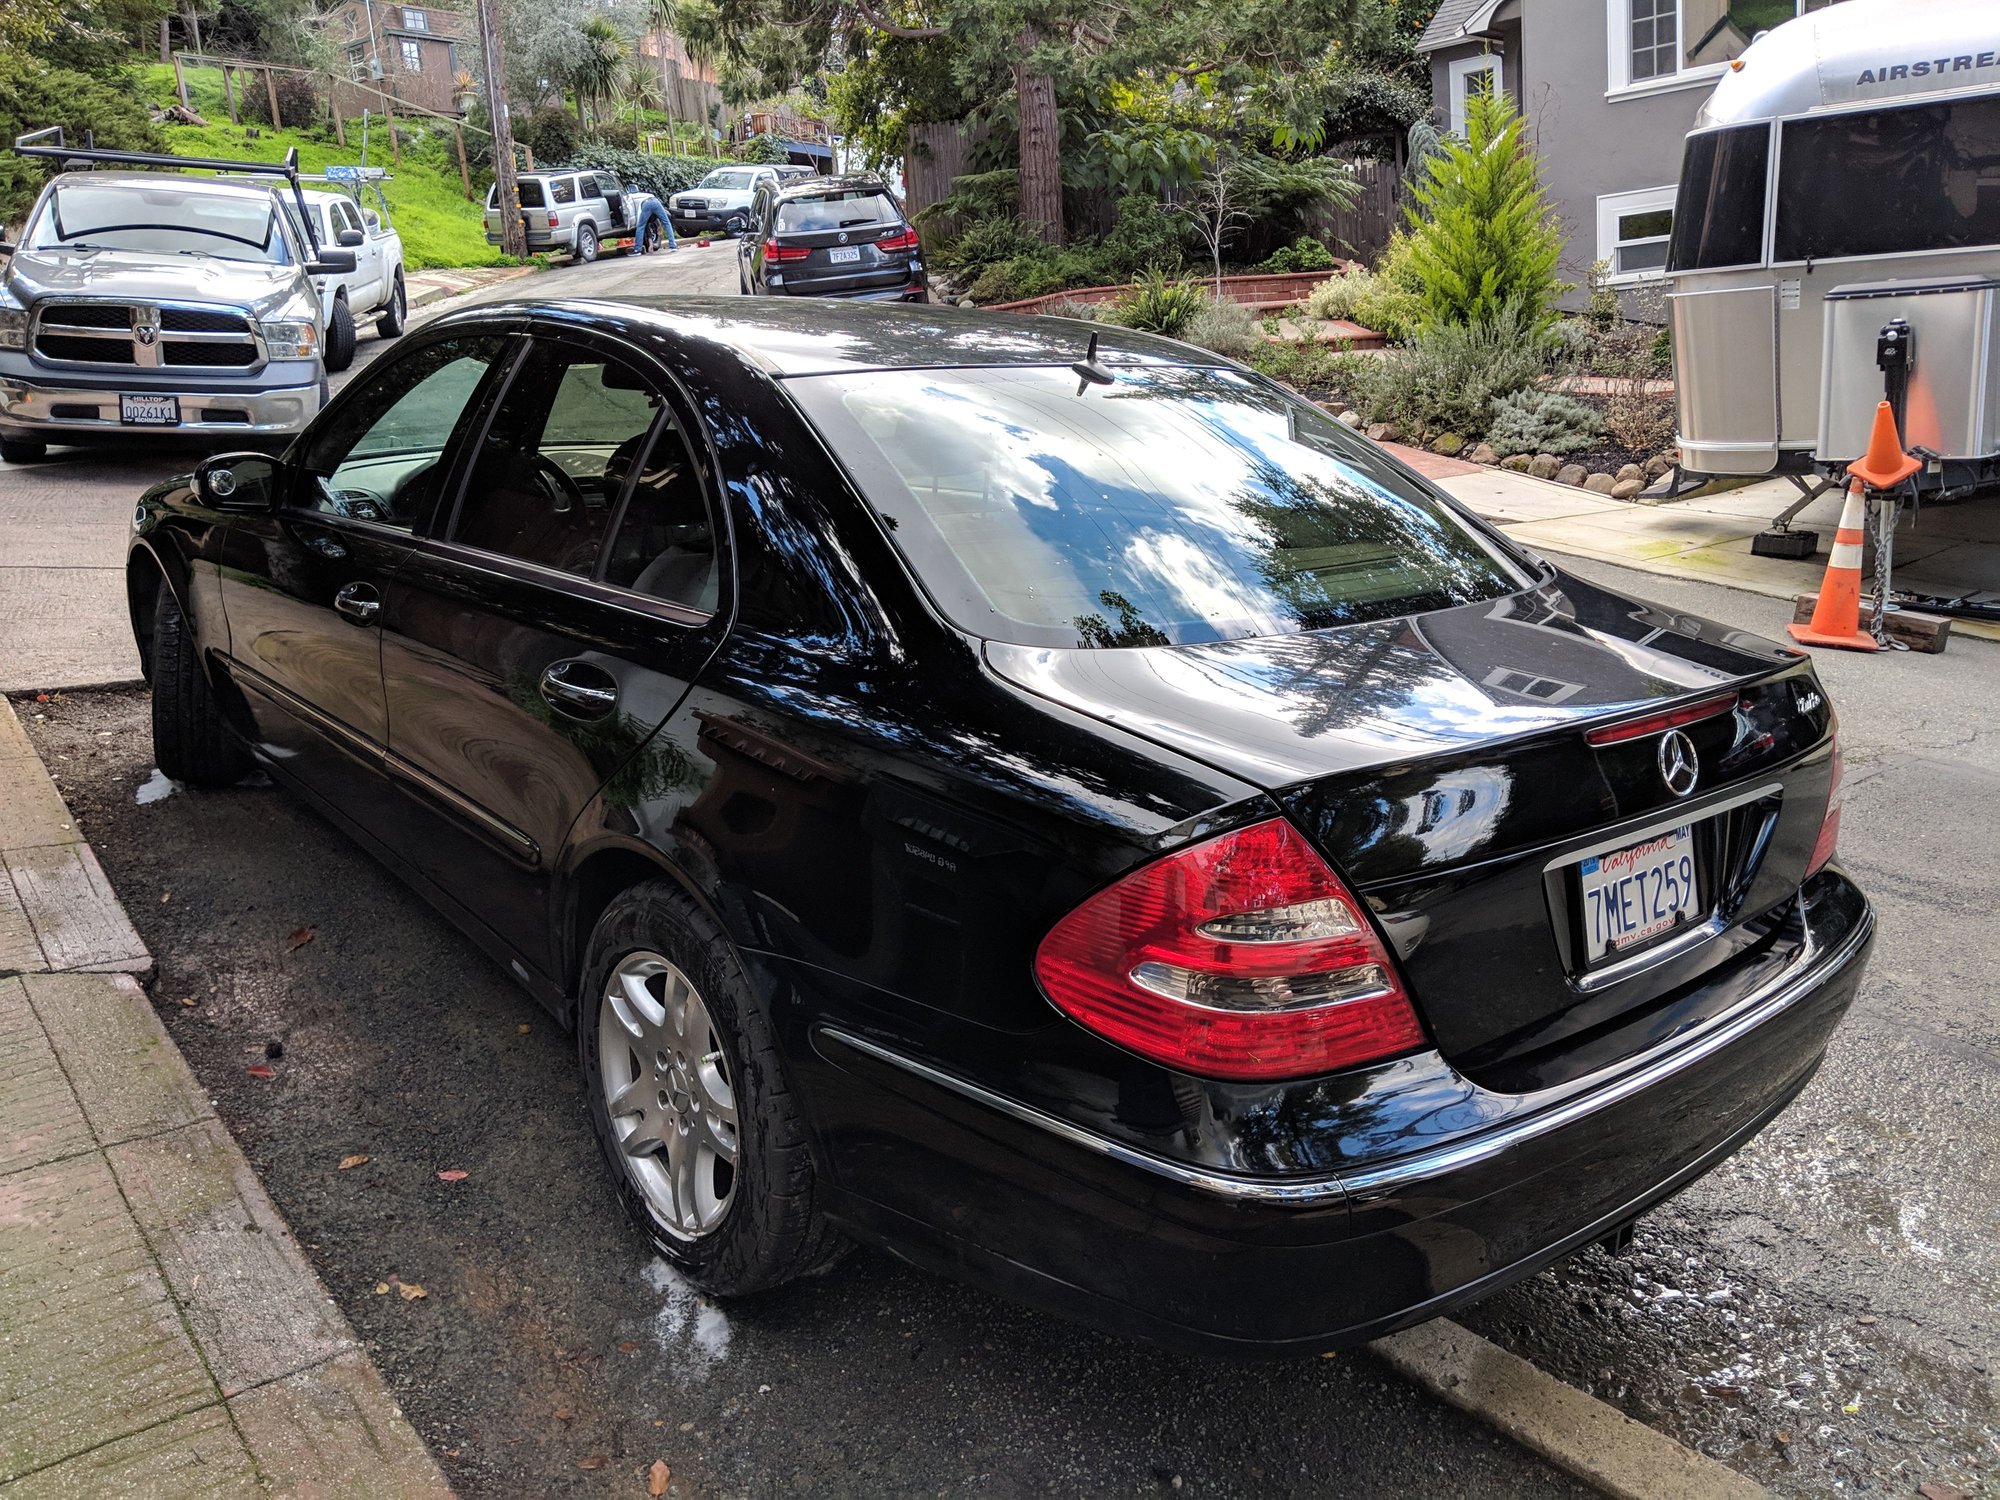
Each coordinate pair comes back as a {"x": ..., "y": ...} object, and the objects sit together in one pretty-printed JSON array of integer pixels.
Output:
[
  {"x": 196, "y": 1351},
  {"x": 1579, "y": 1434}
]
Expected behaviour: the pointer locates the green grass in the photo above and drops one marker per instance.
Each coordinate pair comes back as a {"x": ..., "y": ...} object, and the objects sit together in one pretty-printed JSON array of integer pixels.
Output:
[{"x": 426, "y": 200}]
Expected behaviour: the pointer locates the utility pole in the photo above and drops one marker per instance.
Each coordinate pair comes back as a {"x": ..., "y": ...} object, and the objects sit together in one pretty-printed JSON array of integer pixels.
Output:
[{"x": 506, "y": 194}]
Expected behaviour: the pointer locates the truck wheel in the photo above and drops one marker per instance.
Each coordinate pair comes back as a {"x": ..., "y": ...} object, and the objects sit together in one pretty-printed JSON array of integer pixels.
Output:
[
  {"x": 396, "y": 314},
  {"x": 586, "y": 244},
  {"x": 190, "y": 741},
  {"x": 23, "y": 450},
  {"x": 340, "y": 335}
]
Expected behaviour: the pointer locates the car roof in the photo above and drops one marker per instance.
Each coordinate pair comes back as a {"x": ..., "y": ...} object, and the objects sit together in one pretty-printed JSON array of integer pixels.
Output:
[{"x": 786, "y": 336}]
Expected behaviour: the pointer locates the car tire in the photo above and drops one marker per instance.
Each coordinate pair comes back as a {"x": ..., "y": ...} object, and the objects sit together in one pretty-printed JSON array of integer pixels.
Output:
[
  {"x": 731, "y": 1233},
  {"x": 735, "y": 224},
  {"x": 395, "y": 316},
  {"x": 23, "y": 450},
  {"x": 340, "y": 335},
  {"x": 586, "y": 244},
  {"x": 191, "y": 743}
]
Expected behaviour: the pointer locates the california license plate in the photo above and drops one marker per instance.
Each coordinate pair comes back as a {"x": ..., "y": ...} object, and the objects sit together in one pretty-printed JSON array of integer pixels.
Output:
[
  {"x": 1634, "y": 894},
  {"x": 844, "y": 255},
  {"x": 150, "y": 411}
]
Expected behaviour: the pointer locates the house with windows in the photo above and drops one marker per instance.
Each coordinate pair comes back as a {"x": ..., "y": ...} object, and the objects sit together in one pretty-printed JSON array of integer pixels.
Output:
[
  {"x": 1609, "y": 90},
  {"x": 409, "y": 52}
]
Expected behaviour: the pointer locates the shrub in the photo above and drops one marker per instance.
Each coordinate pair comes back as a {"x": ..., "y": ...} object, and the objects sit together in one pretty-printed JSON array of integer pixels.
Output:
[
  {"x": 33, "y": 96},
  {"x": 1222, "y": 327},
  {"x": 985, "y": 242},
  {"x": 765, "y": 150},
  {"x": 1601, "y": 309},
  {"x": 1447, "y": 379},
  {"x": 1305, "y": 367},
  {"x": 1531, "y": 421},
  {"x": 1483, "y": 240},
  {"x": 1663, "y": 350},
  {"x": 621, "y": 134},
  {"x": 1069, "y": 307},
  {"x": 298, "y": 100},
  {"x": 658, "y": 175},
  {"x": 1337, "y": 296},
  {"x": 1303, "y": 254},
  {"x": 1639, "y": 419},
  {"x": 1390, "y": 301},
  {"x": 1570, "y": 341},
  {"x": 1159, "y": 304},
  {"x": 1145, "y": 237},
  {"x": 552, "y": 134}
]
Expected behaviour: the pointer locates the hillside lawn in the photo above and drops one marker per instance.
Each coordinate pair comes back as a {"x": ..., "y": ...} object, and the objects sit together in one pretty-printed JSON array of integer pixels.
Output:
[{"x": 426, "y": 198}]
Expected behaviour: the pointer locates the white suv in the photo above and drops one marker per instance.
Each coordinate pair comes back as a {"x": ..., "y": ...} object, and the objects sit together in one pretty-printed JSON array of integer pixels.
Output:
[{"x": 721, "y": 200}]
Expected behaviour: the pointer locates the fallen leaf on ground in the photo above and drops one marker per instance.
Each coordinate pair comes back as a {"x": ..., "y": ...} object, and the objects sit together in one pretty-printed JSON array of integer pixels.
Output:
[
  {"x": 299, "y": 939},
  {"x": 563, "y": 1413},
  {"x": 1932, "y": 1490},
  {"x": 657, "y": 1477},
  {"x": 522, "y": 1028},
  {"x": 626, "y": 1346},
  {"x": 189, "y": 1000},
  {"x": 381, "y": 1288},
  {"x": 165, "y": 897},
  {"x": 454, "y": 1175},
  {"x": 262, "y": 1070},
  {"x": 411, "y": 1291},
  {"x": 356, "y": 1160},
  {"x": 1866, "y": 1318},
  {"x": 595, "y": 1461}
]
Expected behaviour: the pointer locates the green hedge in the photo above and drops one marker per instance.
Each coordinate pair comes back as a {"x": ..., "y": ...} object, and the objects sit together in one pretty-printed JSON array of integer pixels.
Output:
[
  {"x": 658, "y": 175},
  {"x": 33, "y": 96}
]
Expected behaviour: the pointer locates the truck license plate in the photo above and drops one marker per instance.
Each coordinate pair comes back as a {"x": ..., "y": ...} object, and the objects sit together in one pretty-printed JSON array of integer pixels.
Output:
[
  {"x": 844, "y": 255},
  {"x": 150, "y": 411},
  {"x": 1637, "y": 893}
]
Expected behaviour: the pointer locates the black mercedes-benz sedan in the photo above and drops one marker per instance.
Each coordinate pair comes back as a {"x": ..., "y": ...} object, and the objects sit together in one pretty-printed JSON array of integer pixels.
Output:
[{"x": 1050, "y": 802}]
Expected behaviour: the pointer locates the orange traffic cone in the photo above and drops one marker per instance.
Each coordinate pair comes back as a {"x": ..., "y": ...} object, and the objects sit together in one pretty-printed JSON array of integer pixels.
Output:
[
  {"x": 1836, "y": 619},
  {"x": 1885, "y": 465}
]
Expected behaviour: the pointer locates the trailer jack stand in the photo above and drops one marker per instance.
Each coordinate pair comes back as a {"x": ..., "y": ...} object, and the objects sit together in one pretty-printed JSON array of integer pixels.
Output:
[{"x": 1780, "y": 540}]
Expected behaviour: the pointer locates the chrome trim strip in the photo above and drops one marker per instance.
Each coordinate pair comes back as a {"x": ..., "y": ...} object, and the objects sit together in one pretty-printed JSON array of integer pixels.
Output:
[
  {"x": 512, "y": 840},
  {"x": 1584, "y": 1097}
]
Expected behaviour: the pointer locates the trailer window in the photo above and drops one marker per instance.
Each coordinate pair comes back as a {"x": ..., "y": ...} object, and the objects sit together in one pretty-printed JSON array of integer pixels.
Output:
[
  {"x": 1719, "y": 213},
  {"x": 1890, "y": 181}
]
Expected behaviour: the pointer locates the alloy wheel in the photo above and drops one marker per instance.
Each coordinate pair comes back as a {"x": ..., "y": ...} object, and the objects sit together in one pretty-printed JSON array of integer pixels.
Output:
[{"x": 668, "y": 1094}]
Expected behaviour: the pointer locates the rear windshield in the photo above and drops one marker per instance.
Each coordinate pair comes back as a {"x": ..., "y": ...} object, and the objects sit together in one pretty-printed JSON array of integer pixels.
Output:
[
  {"x": 1931, "y": 173},
  {"x": 836, "y": 211},
  {"x": 159, "y": 219},
  {"x": 1719, "y": 212},
  {"x": 531, "y": 192},
  {"x": 1170, "y": 506}
]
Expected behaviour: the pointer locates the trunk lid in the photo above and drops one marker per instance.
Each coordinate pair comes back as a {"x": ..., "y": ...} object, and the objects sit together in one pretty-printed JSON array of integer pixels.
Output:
[
  {"x": 844, "y": 260},
  {"x": 1440, "y": 761}
]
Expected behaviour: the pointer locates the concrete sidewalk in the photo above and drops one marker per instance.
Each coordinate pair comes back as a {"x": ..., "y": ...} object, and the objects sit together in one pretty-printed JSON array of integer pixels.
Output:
[
  {"x": 161, "y": 1333},
  {"x": 1942, "y": 549}
]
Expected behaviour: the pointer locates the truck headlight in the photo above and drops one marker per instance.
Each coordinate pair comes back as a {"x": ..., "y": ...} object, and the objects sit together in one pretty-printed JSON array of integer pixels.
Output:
[
  {"x": 290, "y": 338},
  {"x": 13, "y": 322}
]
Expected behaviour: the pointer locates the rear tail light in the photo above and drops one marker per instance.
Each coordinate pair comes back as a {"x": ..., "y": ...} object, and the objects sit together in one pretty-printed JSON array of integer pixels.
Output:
[
  {"x": 785, "y": 255},
  {"x": 904, "y": 239},
  {"x": 1659, "y": 723},
  {"x": 1242, "y": 957},
  {"x": 1829, "y": 823},
  {"x": 554, "y": 222}
]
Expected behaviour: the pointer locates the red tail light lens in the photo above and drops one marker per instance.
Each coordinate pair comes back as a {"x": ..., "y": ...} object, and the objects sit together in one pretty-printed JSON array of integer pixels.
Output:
[
  {"x": 904, "y": 239},
  {"x": 776, "y": 254},
  {"x": 1829, "y": 826},
  {"x": 1243, "y": 957},
  {"x": 554, "y": 221}
]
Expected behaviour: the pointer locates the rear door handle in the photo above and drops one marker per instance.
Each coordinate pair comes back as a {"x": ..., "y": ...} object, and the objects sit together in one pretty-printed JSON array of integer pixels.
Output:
[
  {"x": 359, "y": 602},
  {"x": 580, "y": 690}
]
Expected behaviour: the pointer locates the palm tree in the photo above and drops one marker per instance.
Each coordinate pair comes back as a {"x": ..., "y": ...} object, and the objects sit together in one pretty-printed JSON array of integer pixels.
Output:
[{"x": 598, "y": 64}]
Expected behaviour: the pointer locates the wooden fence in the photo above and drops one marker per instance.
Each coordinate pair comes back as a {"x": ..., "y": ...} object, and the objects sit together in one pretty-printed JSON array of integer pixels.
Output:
[{"x": 1363, "y": 230}]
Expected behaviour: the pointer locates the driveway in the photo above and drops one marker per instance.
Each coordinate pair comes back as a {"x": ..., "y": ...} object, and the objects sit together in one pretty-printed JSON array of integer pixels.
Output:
[{"x": 63, "y": 522}]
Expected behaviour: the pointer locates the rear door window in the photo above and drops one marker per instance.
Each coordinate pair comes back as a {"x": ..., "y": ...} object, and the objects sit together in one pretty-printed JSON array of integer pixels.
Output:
[
  {"x": 1930, "y": 175},
  {"x": 531, "y": 192},
  {"x": 836, "y": 211},
  {"x": 1171, "y": 506}
]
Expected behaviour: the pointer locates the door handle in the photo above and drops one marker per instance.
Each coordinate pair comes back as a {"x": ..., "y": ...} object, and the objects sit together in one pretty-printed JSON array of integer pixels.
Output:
[
  {"x": 580, "y": 690},
  {"x": 359, "y": 602}
]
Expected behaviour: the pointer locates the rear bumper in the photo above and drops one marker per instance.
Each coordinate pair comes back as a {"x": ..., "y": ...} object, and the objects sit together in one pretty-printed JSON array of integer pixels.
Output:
[
  {"x": 1000, "y": 1192},
  {"x": 542, "y": 237},
  {"x": 77, "y": 409},
  {"x": 917, "y": 291}
]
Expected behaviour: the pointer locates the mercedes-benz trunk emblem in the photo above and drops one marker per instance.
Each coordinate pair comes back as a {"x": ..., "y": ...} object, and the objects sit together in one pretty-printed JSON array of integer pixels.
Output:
[{"x": 1679, "y": 768}]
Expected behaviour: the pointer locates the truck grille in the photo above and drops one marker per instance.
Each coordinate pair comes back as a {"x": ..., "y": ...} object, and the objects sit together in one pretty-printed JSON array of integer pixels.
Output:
[{"x": 145, "y": 336}]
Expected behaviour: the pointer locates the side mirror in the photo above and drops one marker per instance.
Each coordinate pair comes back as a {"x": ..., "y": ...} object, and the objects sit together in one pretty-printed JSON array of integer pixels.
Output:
[
  {"x": 238, "y": 481},
  {"x": 351, "y": 237},
  {"x": 332, "y": 263}
]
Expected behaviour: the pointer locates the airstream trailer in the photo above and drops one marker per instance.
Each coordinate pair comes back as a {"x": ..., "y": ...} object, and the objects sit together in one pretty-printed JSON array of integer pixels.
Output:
[{"x": 1839, "y": 209}]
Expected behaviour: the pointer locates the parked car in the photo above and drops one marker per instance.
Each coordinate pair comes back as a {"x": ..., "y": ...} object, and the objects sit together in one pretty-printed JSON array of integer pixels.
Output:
[
  {"x": 831, "y": 237},
  {"x": 577, "y": 213},
  {"x": 373, "y": 288},
  {"x": 143, "y": 304},
  {"x": 1074, "y": 813},
  {"x": 720, "y": 202}
]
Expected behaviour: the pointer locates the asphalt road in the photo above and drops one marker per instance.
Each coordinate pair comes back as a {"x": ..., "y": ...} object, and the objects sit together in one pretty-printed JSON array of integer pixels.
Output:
[{"x": 63, "y": 521}]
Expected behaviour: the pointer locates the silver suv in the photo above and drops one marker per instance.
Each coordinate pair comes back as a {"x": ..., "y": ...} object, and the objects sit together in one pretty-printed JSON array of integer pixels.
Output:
[
  {"x": 139, "y": 303},
  {"x": 577, "y": 212}
]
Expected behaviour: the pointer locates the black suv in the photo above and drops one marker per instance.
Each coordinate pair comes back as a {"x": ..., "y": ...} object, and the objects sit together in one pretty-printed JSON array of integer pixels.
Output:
[{"x": 831, "y": 237}]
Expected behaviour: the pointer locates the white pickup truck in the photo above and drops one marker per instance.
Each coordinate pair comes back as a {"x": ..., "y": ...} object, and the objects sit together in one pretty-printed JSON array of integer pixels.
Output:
[{"x": 374, "y": 288}]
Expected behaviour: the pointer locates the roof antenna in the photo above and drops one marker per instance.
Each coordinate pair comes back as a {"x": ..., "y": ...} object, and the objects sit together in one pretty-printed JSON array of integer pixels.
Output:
[{"x": 1088, "y": 373}]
